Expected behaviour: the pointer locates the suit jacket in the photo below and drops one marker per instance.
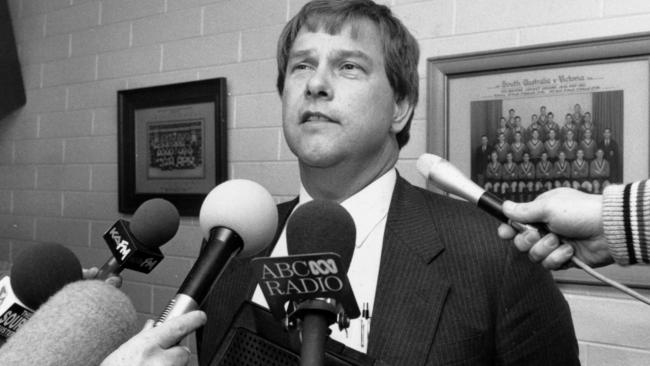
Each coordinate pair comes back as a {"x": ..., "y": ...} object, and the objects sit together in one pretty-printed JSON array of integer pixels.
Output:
[{"x": 449, "y": 292}]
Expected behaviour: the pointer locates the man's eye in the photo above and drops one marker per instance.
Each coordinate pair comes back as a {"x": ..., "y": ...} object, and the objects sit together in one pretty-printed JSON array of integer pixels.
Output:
[
  {"x": 302, "y": 66},
  {"x": 349, "y": 66}
]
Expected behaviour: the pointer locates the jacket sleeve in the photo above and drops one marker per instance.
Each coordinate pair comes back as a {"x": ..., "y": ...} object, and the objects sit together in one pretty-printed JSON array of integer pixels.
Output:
[{"x": 626, "y": 221}]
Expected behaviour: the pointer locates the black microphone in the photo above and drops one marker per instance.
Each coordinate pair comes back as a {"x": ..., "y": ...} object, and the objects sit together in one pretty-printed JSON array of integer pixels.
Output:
[
  {"x": 37, "y": 272},
  {"x": 237, "y": 218},
  {"x": 322, "y": 226},
  {"x": 79, "y": 325},
  {"x": 135, "y": 245}
]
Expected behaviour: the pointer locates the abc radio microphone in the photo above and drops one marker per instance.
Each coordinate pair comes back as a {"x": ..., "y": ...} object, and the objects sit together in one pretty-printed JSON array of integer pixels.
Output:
[
  {"x": 237, "y": 218},
  {"x": 37, "y": 273},
  {"x": 79, "y": 325},
  {"x": 135, "y": 245},
  {"x": 313, "y": 278}
]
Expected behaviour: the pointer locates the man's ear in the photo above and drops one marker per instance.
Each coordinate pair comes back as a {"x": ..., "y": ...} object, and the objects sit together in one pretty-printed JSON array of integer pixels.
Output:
[{"x": 402, "y": 111}]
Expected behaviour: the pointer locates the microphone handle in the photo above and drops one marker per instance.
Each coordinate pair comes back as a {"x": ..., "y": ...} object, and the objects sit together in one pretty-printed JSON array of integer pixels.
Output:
[
  {"x": 222, "y": 246},
  {"x": 111, "y": 267},
  {"x": 315, "y": 329}
]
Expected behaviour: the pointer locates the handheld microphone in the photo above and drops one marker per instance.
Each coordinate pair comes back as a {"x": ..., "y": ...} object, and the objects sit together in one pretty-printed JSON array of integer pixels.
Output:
[
  {"x": 448, "y": 178},
  {"x": 135, "y": 245},
  {"x": 79, "y": 325},
  {"x": 316, "y": 227},
  {"x": 37, "y": 272},
  {"x": 237, "y": 218}
]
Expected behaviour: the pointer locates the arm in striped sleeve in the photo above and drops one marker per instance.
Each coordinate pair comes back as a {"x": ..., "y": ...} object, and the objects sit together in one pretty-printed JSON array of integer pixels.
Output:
[{"x": 626, "y": 222}]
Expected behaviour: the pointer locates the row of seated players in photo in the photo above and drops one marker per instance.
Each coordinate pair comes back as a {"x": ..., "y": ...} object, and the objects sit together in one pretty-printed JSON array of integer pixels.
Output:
[
  {"x": 530, "y": 178},
  {"x": 535, "y": 147}
]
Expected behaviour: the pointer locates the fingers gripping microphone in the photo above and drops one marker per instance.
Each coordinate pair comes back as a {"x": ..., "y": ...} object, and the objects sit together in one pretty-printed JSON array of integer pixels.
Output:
[
  {"x": 448, "y": 178},
  {"x": 79, "y": 325},
  {"x": 316, "y": 227},
  {"x": 237, "y": 218},
  {"x": 37, "y": 272},
  {"x": 135, "y": 245}
]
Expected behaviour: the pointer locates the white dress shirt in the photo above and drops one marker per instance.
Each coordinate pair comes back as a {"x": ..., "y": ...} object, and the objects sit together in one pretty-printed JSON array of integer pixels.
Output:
[{"x": 368, "y": 208}]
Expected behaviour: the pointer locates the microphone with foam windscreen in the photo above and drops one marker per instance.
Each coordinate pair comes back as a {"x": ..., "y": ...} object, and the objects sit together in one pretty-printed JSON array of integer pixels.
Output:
[
  {"x": 37, "y": 272},
  {"x": 237, "y": 218},
  {"x": 316, "y": 227},
  {"x": 451, "y": 180},
  {"x": 79, "y": 325},
  {"x": 309, "y": 289},
  {"x": 135, "y": 245}
]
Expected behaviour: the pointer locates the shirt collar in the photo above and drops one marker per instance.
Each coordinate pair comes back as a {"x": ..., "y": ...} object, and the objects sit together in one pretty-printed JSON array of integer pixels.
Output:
[{"x": 368, "y": 206}]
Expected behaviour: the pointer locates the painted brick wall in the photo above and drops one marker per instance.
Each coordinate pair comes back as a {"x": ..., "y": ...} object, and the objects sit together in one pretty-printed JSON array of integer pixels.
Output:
[{"x": 58, "y": 154}]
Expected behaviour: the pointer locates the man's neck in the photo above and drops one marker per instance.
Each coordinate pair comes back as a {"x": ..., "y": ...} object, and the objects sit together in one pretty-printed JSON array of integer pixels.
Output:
[{"x": 342, "y": 181}]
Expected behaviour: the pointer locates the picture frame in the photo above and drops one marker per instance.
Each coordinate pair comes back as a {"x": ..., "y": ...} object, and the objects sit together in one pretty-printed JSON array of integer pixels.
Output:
[
  {"x": 468, "y": 93},
  {"x": 172, "y": 143}
]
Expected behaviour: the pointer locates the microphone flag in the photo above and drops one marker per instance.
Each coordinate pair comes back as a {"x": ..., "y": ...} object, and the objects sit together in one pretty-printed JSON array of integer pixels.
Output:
[
  {"x": 13, "y": 313},
  {"x": 128, "y": 251},
  {"x": 302, "y": 277}
]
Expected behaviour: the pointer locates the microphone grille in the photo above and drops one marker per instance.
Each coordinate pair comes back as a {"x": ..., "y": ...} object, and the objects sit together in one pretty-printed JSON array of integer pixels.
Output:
[
  {"x": 322, "y": 226},
  {"x": 41, "y": 270}
]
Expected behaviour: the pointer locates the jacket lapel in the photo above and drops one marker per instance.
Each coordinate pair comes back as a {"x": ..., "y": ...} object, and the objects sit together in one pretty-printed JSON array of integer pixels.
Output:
[{"x": 411, "y": 290}]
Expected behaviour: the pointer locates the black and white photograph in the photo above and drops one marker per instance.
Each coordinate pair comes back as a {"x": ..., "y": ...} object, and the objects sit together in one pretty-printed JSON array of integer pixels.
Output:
[{"x": 325, "y": 182}]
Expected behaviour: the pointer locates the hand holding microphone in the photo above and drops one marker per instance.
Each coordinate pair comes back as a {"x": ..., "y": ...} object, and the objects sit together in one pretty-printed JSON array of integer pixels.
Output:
[
  {"x": 448, "y": 178},
  {"x": 574, "y": 215},
  {"x": 158, "y": 346}
]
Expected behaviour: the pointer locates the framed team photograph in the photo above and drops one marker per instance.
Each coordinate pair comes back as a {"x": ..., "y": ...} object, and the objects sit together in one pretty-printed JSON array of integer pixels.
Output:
[
  {"x": 522, "y": 121},
  {"x": 172, "y": 143}
]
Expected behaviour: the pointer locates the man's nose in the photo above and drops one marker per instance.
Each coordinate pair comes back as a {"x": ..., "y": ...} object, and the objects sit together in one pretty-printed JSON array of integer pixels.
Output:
[{"x": 319, "y": 85}]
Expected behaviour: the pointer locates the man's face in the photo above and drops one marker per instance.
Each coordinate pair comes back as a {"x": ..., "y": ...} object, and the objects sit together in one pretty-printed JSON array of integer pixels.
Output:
[{"x": 338, "y": 105}]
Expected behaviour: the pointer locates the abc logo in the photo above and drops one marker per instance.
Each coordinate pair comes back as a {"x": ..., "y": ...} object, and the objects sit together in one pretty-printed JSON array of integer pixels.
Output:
[{"x": 323, "y": 267}]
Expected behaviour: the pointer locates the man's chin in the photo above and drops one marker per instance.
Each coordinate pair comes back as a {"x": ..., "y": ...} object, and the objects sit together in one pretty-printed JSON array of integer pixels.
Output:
[{"x": 319, "y": 160}]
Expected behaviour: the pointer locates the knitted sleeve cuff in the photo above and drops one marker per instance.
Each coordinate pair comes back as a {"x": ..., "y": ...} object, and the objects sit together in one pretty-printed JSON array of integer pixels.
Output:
[{"x": 626, "y": 214}]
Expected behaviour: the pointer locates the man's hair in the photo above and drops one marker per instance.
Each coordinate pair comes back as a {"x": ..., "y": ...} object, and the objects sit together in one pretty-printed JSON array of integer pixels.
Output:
[{"x": 400, "y": 49}]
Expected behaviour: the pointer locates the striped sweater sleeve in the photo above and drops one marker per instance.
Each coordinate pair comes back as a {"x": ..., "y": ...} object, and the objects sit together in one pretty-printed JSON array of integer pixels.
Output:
[{"x": 626, "y": 222}]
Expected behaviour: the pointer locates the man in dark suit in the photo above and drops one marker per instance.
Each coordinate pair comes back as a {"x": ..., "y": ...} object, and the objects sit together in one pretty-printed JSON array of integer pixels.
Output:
[
  {"x": 480, "y": 160},
  {"x": 612, "y": 155},
  {"x": 442, "y": 288}
]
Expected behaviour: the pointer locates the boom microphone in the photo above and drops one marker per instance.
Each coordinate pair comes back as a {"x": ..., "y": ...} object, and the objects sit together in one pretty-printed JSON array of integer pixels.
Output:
[
  {"x": 448, "y": 178},
  {"x": 37, "y": 272},
  {"x": 135, "y": 245},
  {"x": 316, "y": 227},
  {"x": 80, "y": 325},
  {"x": 237, "y": 218}
]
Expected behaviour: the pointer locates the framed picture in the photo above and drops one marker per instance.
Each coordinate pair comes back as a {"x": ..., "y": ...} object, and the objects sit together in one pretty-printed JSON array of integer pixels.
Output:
[
  {"x": 172, "y": 143},
  {"x": 522, "y": 121}
]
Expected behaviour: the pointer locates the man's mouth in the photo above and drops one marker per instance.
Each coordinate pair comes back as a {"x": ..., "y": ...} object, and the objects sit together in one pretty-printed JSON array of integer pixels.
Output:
[{"x": 315, "y": 117}]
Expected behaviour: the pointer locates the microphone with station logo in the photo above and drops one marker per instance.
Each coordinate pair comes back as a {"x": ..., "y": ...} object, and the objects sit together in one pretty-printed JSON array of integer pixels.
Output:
[
  {"x": 309, "y": 289},
  {"x": 135, "y": 245},
  {"x": 37, "y": 273},
  {"x": 237, "y": 218}
]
